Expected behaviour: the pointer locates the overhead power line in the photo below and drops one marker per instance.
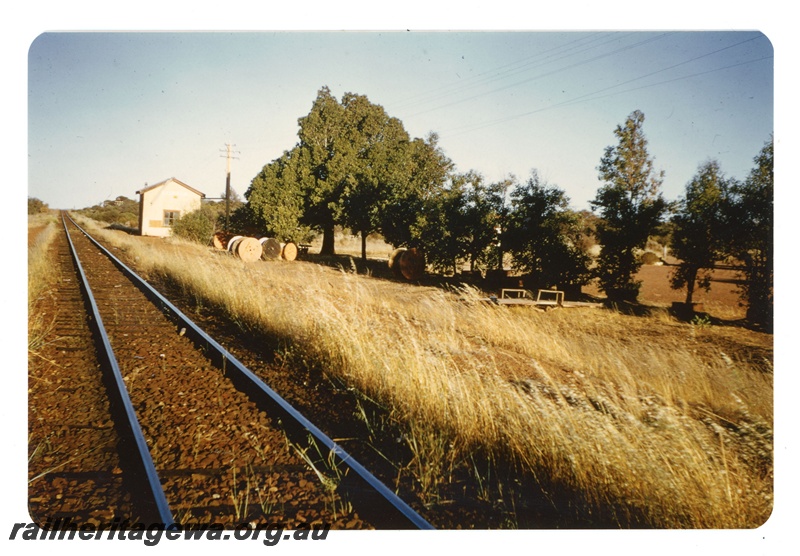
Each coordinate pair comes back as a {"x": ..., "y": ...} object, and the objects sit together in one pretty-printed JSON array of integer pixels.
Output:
[
  {"x": 551, "y": 72},
  {"x": 595, "y": 95},
  {"x": 501, "y": 72}
]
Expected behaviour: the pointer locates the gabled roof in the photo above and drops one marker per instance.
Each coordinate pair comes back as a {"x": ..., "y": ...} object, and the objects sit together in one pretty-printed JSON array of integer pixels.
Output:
[{"x": 179, "y": 182}]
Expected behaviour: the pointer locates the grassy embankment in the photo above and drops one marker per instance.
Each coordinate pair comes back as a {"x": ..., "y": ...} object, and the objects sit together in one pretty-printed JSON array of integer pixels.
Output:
[
  {"x": 668, "y": 423},
  {"x": 41, "y": 230}
]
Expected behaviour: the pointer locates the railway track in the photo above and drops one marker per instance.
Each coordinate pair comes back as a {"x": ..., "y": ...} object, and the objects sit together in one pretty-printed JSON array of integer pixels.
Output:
[{"x": 186, "y": 433}]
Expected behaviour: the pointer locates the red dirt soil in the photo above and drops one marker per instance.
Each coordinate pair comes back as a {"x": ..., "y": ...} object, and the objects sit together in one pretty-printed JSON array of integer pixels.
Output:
[{"x": 721, "y": 301}]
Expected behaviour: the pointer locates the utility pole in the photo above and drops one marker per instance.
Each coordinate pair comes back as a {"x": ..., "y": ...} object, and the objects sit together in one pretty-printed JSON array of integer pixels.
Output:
[{"x": 229, "y": 156}]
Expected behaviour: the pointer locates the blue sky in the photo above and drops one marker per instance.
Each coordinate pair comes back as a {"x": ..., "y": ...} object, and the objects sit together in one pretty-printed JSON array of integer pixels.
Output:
[{"x": 109, "y": 112}]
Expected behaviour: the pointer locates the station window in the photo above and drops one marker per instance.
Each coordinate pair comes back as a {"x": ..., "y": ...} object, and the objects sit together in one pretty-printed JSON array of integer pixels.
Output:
[{"x": 170, "y": 216}]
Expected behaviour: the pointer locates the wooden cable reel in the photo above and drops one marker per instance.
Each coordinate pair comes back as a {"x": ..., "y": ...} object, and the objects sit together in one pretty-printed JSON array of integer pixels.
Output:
[
  {"x": 289, "y": 251},
  {"x": 407, "y": 263},
  {"x": 271, "y": 248},
  {"x": 220, "y": 240},
  {"x": 251, "y": 249},
  {"x": 246, "y": 248}
]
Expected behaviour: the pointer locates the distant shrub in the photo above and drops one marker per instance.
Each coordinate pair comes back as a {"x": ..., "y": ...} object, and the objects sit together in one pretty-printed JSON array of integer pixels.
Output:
[
  {"x": 648, "y": 257},
  {"x": 128, "y": 219},
  {"x": 122, "y": 211},
  {"x": 198, "y": 225},
  {"x": 36, "y": 206}
]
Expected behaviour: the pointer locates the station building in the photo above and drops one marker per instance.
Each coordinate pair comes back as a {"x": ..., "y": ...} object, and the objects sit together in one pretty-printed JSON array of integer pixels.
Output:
[{"x": 163, "y": 203}]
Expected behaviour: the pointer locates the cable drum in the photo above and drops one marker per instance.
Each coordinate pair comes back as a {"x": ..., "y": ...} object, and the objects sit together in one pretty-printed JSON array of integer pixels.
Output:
[
  {"x": 289, "y": 251},
  {"x": 271, "y": 248},
  {"x": 231, "y": 243},
  {"x": 407, "y": 263},
  {"x": 248, "y": 249}
]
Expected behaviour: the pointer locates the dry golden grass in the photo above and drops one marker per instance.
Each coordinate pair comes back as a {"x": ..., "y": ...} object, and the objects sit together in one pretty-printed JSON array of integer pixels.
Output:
[
  {"x": 41, "y": 230},
  {"x": 668, "y": 423}
]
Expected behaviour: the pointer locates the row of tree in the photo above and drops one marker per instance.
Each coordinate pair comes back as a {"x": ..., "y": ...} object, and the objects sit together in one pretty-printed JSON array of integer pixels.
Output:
[
  {"x": 356, "y": 167},
  {"x": 721, "y": 218},
  {"x": 717, "y": 219}
]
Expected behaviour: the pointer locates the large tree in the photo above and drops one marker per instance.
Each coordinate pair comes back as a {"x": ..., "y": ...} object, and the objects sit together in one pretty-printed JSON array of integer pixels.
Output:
[
  {"x": 378, "y": 146},
  {"x": 457, "y": 222},
  {"x": 353, "y": 164},
  {"x": 477, "y": 223},
  {"x": 697, "y": 232},
  {"x": 751, "y": 235},
  {"x": 631, "y": 206},
  {"x": 427, "y": 175},
  {"x": 275, "y": 201},
  {"x": 485, "y": 222},
  {"x": 544, "y": 236},
  {"x": 323, "y": 165},
  {"x": 437, "y": 228}
]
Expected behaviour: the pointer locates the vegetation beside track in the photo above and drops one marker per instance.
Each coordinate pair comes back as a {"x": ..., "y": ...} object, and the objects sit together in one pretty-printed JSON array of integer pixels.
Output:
[
  {"x": 41, "y": 229},
  {"x": 646, "y": 420}
]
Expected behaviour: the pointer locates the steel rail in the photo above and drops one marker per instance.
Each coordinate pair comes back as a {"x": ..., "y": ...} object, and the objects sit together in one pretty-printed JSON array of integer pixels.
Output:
[
  {"x": 385, "y": 509},
  {"x": 153, "y": 503}
]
